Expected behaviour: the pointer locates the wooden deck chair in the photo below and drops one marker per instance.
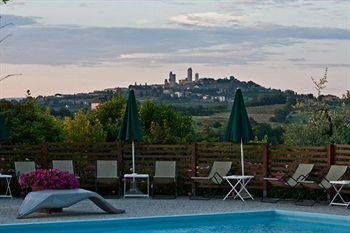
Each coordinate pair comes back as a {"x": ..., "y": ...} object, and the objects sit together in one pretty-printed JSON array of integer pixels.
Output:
[
  {"x": 165, "y": 173},
  {"x": 107, "y": 172},
  {"x": 63, "y": 165},
  {"x": 335, "y": 173},
  {"x": 289, "y": 182},
  {"x": 24, "y": 167},
  {"x": 215, "y": 177}
]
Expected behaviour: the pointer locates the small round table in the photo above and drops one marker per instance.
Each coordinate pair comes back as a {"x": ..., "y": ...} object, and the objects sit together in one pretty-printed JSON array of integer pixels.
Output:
[
  {"x": 136, "y": 192},
  {"x": 8, "y": 188},
  {"x": 240, "y": 186},
  {"x": 338, "y": 186}
]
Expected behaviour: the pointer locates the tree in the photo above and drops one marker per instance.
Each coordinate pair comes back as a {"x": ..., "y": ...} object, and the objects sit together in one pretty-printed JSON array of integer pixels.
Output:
[
  {"x": 346, "y": 97},
  {"x": 29, "y": 123},
  {"x": 161, "y": 124},
  {"x": 263, "y": 132},
  {"x": 320, "y": 84},
  {"x": 110, "y": 114},
  {"x": 82, "y": 129},
  {"x": 323, "y": 125}
]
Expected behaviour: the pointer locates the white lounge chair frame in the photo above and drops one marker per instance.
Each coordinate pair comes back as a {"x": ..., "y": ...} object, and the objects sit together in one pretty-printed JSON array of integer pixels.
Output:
[
  {"x": 216, "y": 174},
  {"x": 165, "y": 173},
  {"x": 289, "y": 182},
  {"x": 63, "y": 165},
  {"x": 24, "y": 167},
  {"x": 107, "y": 171}
]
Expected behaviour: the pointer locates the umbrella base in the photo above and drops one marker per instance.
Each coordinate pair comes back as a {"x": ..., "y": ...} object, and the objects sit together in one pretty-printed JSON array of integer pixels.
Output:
[{"x": 134, "y": 191}]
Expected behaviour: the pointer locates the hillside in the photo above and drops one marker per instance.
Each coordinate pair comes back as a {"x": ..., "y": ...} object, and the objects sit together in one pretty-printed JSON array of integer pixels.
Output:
[{"x": 203, "y": 97}]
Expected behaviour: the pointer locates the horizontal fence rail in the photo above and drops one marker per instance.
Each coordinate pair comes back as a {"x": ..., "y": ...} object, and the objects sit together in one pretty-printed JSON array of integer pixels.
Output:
[{"x": 192, "y": 159}]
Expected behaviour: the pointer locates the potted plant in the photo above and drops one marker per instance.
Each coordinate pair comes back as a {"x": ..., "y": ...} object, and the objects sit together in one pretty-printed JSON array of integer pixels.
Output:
[{"x": 44, "y": 179}]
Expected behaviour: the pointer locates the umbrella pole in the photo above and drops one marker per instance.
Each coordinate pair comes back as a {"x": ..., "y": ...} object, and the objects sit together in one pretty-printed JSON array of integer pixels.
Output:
[
  {"x": 133, "y": 156},
  {"x": 134, "y": 187},
  {"x": 242, "y": 162},
  {"x": 242, "y": 158}
]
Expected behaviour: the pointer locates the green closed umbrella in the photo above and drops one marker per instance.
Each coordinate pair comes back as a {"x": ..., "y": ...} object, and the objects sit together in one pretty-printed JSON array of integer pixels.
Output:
[
  {"x": 239, "y": 129},
  {"x": 130, "y": 130}
]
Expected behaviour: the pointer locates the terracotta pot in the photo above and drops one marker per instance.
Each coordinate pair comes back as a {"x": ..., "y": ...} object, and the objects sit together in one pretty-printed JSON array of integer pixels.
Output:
[{"x": 35, "y": 188}]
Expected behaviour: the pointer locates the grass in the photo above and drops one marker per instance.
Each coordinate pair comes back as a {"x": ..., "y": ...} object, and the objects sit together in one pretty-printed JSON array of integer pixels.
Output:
[{"x": 261, "y": 114}]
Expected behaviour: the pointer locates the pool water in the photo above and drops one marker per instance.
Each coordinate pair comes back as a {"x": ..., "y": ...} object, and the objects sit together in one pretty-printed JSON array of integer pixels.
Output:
[{"x": 273, "y": 221}]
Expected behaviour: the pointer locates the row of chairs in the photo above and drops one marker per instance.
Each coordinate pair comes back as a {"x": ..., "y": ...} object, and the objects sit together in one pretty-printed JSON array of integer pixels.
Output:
[
  {"x": 165, "y": 173},
  {"x": 299, "y": 180},
  {"x": 107, "y": 172}
]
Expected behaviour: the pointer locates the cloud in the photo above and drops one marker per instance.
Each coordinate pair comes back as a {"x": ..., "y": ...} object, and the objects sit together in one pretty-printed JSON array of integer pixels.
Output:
[
  {"x": 207, "y": 19},
  {"x": 324, "y": 65},
  {"x": 18, "y": 20},
  {"x": 297, "y": 59},
  {"x": 53, "y": 45}
]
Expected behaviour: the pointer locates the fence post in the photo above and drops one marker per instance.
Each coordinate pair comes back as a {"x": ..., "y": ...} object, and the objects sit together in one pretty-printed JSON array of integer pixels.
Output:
[
  {"x": 193, "y": 164},
  {"x": 265, "y": 171},
  {"x": 120, "y": 159},
  {"x": 330, "y": 155},
  {"x": 45, "y": 155}
]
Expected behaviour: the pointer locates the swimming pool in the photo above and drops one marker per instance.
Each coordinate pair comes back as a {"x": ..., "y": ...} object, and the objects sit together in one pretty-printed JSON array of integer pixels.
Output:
[{"x": 272, "y": 221}]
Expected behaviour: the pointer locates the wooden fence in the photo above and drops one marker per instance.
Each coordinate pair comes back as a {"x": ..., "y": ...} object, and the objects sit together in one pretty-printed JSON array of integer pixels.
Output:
[{"x": 260, "y": 160}]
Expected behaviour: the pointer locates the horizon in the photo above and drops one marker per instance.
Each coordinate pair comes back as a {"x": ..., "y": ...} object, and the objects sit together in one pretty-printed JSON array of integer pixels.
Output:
[
  {"x": 97, "y": 46},
  {"x": 149, "y": 84}
]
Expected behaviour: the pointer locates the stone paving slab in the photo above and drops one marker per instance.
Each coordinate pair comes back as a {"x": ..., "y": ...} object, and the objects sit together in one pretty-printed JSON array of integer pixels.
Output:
[{"x": 135, "y": 207}]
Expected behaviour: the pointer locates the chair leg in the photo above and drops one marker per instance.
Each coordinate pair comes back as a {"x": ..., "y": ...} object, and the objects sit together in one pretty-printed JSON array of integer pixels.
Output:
[
  {"x": 194, "y": 195},
  {"x": 275, "y": 200},
  {"x": 175, "y": 189},
  {"x": 164, "y": 196},
  {"x": 300, "y": 201},
  {"x": 118, "y": 189}
]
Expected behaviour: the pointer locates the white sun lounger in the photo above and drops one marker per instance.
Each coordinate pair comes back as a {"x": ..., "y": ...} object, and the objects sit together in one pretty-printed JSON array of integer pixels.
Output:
[{"x": 54, "y": 199}]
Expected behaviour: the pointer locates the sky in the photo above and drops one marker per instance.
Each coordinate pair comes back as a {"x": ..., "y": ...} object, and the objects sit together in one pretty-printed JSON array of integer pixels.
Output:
[{"x": 71, "y": 46}]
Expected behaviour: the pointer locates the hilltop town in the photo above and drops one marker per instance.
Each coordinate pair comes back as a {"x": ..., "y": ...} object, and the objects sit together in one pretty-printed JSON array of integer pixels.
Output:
[{"x": 192, "y": 94}]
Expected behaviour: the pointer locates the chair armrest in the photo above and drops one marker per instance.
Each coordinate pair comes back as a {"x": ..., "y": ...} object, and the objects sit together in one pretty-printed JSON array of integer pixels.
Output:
[
  {"x": 307, "y": 182},
  {"x": 271, "y": 178},
  {"x": 281, "y": 178}
]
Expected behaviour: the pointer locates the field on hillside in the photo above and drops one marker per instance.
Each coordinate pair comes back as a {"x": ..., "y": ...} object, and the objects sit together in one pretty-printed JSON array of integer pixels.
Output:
[
  {"x": 261, "y": 114},
  {"x": 215, "y": 124}
]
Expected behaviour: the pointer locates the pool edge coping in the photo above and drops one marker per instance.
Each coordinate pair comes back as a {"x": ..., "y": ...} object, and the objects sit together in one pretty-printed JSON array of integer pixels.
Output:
[{"x": 279, "y": 212}]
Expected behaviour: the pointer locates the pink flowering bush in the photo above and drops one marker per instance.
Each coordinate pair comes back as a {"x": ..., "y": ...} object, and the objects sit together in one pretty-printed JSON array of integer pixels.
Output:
[{"x": 42, "y": 179}]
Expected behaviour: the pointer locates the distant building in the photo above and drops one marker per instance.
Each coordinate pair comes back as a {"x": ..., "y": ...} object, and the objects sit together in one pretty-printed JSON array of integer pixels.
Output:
[
  {"x": 178, "y": 94},
  {"x": 166, "y": 83},
  {"x": 172, "y": 79},
  {"x": 221, "y": 98},
  {"x": 189, "y": 74},
  {"x": 196, "y": 77},
  {"x": 94, "y": 105}
]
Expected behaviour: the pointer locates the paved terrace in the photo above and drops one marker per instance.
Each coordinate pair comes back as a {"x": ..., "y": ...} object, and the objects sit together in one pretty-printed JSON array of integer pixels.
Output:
[{"x": 155, "y": 207}]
